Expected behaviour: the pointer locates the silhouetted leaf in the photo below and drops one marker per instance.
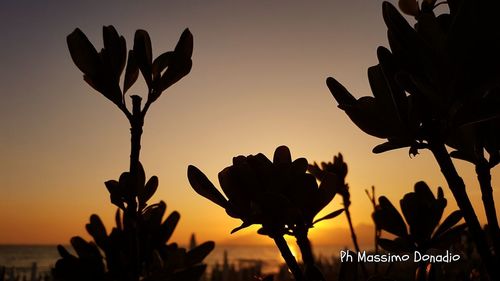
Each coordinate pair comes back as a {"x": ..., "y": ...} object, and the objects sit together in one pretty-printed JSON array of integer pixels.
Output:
[
  {"x": 63, "y": 252},
  {"x": 127, "y": 187},
  {"x": 387, "y": 218},
  {"x": 242, "y": 226},
  {"x": 462, "y": 155},
  {"x": 160, "y": 63},
  {"x": 96, "y": 85},
  {"x": 116, "y": 46},
  {"x": 173, "y": 74},
  {"x": 387, "y": 146},
  {"x": 131, "y": 73},
  {"x": 149, "y": 189},
  {"x": 83, "y": 53},
  {"x": 330, "y": 185},
  {"x": 316, "y": 171},
  {"x": 383, "y": 95},
  {"x": 396, "y": 22},
  {"x": 409, "y": 7},
  {"x": 235, "y": 182},
  {"x": 447, "y": 238},
  {"x": 184, "y": 47},
  {"x": 168, "y": 227},
  {"x": 115, "y": 193},
  {"x": 85, "y": 249},
  {"x": 422, "y": 211},
  {"x": 179, "y": 64},
  {"x": 340, "y": 93},
  {"x": 299, "y": 165},
  {"x": 97, "y": 230},
  {"x": 199, "y": 253},
  {"x": 430, "y": 30},
  {"x": 202, "y": 185},
  {"x": 118, "y": 219},
  {"x": 153, "y": 214},
  {"x": 449, "y": 222},
  {"x": 365, "y": 113},
  {"x": 141, "y": 177},
  {"x": 329, "y": 216},
  {"x": 143, "y": 54}
]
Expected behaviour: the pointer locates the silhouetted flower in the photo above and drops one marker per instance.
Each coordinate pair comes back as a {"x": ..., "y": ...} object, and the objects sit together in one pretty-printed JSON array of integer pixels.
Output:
[
  {"x": 422, "y": 211},
  {"x": 337, "y": 168},
  {"x": 102, "y": 70},
  {"x": 279, "y": 195}
]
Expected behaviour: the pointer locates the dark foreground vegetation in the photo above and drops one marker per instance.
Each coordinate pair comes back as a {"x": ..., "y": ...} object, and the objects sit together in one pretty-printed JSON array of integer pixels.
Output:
[{"x": 436, "y": 88}]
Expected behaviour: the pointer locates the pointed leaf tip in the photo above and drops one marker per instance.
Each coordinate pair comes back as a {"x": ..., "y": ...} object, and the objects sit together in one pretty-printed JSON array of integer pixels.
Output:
[
  {"x": 204, "y": 187},
  {"x": 143, "y": 53},
  {"x": 185, "y": 45},
  {"x": 83, "y": 53},
  {"x": 339, "y": 92},
  {"x": 386, "y": 217},
  {"x": 131, "y": 72},
  {"x": 329, "y": 216},
  {"x": 448, "y": 223}
]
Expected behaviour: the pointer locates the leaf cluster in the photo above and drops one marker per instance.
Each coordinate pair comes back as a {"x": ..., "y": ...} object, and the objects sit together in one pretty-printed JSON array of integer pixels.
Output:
[
  {"x": 279, "y": 195},
  {"x": 422, "y": 211}
]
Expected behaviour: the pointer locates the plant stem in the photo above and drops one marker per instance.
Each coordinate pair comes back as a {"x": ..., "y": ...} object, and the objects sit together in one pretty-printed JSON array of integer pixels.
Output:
[
  {"x": 377, "y": 232},
  {"x": 484, "y": 178},
  {"x": 353, "y": 235},
  {"x": 289, "y": 258},
  {"x": 457, "y": 187},
  {"x": 312, "y": 273},
  {"x": 136, "y": 123}
]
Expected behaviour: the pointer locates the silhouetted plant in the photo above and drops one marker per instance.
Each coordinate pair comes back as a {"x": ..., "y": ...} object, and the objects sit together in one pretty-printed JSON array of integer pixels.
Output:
[
  {"x": 439, "y": 85},
  {"x": 339, "y": 168},
  {"x": 136, "y": 248},
  {"x": 377, "y": 232},
  {"x": 279, "y": 195},
  {"x": 422, "y": 212}
]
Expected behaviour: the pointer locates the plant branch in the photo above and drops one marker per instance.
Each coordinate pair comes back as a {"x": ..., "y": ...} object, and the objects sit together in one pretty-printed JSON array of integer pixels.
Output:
[
  {"x": 483, "y": 172},
  {"x": 290, "y": 260},
  {"x": 136, "y": 123},
  {"x": 457, "y": 187},
  {"x": 377, "y": 231},
  {"x": 353, "y": 235},
  {"x": 312, "y": 273}
]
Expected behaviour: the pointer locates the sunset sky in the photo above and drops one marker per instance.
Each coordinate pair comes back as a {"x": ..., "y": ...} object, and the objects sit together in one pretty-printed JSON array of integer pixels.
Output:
[{"x": 257, "y": 82}]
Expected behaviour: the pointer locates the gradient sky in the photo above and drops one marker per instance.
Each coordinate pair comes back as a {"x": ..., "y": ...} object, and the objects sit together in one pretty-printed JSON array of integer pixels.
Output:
[{"x": 258, "y": 81}]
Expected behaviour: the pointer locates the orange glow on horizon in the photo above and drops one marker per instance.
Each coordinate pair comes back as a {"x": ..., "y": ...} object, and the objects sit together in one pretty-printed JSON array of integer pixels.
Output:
[{"x": 254, "y": 85}]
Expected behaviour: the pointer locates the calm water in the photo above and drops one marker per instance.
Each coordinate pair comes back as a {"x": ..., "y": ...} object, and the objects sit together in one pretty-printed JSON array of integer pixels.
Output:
[{"x": 46, "y": 256}]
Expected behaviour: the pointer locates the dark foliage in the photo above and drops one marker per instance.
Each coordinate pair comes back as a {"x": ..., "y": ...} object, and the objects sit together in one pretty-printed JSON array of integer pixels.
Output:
[
  {"x": 439, "y": 84},
  {"x": 137, "y": 247}
]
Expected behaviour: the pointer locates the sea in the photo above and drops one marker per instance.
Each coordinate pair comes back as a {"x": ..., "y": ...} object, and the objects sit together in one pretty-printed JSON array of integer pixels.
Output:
[{"x": 23, "y": 257}]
